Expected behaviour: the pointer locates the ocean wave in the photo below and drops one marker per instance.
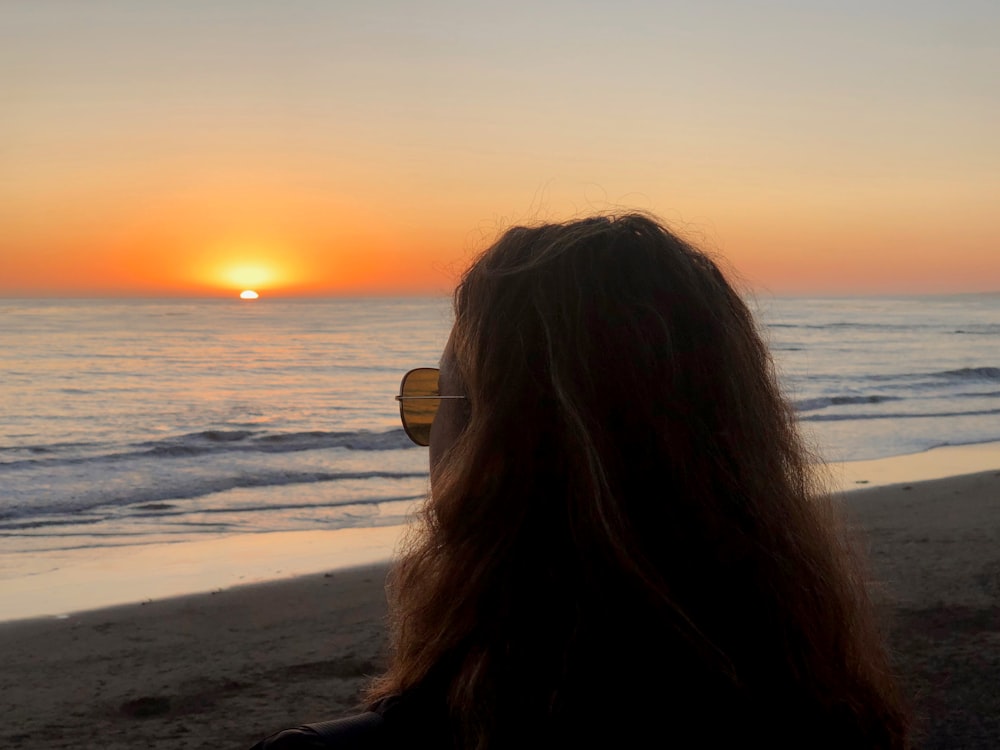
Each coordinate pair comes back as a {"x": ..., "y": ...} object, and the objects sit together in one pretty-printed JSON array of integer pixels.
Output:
[
  {"x": 957, "y": 443},
  {"x": 824, "y": 402},
  {"x": 217, "y": 441},
  {"x": 986, "y": 329},
  {"x": 207, "y": 442},
  {"x": 45, "y": 448},
  {"x": 978, "y": 394},
  {"x": 815, "y": 404},
  {"x": 199, "y": 488},
  {"x": 271, "y": 507},
  {"x": 848, "y": 325},
  {"x": 904, "y": 415},
  {"x": 970, "y": 373},
  {"x": 17, "y": 527},
  {"x": 53, "y": 522},
  {"x": 934, "y": 378}
]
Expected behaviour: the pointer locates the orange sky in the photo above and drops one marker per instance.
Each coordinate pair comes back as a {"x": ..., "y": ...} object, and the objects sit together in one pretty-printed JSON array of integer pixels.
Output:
[{"x": 304, "y": 148}]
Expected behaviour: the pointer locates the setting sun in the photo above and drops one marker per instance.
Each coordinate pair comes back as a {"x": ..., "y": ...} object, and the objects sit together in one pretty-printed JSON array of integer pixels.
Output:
[
  {"x": 240, "y": 171},
  {"x": 257, "y": 267}
]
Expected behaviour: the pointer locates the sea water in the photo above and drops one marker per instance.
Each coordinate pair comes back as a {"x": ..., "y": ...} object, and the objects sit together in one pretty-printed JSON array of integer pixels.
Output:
[
  {"x": 129, "y": 422},
  {"x": 878, "y": 377}
]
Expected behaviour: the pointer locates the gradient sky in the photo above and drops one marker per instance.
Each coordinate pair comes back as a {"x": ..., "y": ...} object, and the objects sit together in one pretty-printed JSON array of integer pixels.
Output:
[{"x": 326, "y": 146}]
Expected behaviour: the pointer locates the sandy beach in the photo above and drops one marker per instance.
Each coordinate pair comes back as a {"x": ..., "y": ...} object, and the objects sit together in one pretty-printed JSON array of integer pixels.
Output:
[
  {"x": 935, "y": 552},
  {"x": 223, "y": 669}
]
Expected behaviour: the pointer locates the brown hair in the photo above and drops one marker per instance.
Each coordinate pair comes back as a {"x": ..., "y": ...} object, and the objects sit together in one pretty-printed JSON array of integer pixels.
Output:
[{"x": 627, "y": 537}]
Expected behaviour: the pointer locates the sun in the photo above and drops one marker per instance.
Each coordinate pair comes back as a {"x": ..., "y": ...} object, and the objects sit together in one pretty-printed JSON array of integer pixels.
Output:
[{"x": 242, "y": 267}]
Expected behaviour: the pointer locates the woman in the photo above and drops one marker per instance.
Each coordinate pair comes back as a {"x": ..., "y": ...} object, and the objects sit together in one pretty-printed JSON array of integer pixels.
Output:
[{"x": 623, "y": 543}]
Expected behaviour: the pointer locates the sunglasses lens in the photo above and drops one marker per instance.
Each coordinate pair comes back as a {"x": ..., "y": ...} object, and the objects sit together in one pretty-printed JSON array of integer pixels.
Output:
[{"x": 418, "y": 414}]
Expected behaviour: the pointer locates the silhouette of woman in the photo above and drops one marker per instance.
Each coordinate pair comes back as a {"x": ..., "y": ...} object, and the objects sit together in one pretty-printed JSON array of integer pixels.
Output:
[{"x": 624, "y": 543}]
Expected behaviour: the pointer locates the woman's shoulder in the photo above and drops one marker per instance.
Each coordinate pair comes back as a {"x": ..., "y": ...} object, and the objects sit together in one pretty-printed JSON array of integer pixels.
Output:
[
  {"x": 357, "y": 732},
  {"x": 386, "y": 725}
]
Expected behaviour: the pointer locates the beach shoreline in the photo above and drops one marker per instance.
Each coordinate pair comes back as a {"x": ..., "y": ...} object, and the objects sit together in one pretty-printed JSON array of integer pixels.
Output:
[
  {"x": 226, "y": 667},
  {"x": 65, "y": 582},
  {"x": 77, "y": 581}
]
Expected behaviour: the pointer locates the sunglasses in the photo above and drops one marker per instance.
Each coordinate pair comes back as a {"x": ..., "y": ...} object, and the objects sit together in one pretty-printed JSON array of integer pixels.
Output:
[{"x": 419, "y": 400}]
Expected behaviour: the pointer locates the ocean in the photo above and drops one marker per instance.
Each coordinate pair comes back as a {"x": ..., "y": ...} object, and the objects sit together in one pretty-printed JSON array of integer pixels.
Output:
[{"x": 130, "y": 422}]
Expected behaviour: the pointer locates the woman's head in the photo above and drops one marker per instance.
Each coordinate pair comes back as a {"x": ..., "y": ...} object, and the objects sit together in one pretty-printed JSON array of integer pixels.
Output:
[
  {"x": 612, "y": 362},
  {"x": 621, "y": 486}
]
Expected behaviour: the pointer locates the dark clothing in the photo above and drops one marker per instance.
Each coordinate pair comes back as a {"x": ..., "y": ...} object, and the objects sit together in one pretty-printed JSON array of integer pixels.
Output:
[
  {"x": 354, "y": 732},
  {"x": 394, "y": 722}
]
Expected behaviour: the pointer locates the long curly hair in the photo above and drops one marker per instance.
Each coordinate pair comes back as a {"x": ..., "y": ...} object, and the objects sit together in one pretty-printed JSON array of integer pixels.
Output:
[{"x": 627, "y": 540}]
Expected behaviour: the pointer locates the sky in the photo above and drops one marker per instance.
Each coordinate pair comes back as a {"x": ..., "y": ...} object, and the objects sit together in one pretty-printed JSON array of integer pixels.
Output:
[{"x": 324, "y": 147}]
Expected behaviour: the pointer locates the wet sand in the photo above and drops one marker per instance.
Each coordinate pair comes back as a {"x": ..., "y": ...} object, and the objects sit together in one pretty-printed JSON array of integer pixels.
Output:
[{"x": 222, "y": 670}]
